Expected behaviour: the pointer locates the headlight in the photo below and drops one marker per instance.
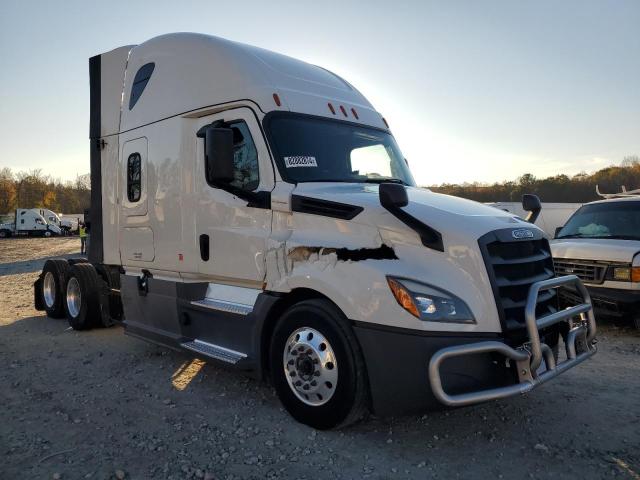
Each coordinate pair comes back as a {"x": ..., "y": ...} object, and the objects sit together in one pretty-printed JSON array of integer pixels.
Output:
[
  {"x": 622, "y": 274},
  {"x": 429, "y": 303},
  {"x": 626, "y": 274}
]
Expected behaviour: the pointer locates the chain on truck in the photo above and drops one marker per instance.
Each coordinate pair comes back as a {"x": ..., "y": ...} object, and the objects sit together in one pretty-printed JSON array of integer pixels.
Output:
[{"x": 255, "y": 210}]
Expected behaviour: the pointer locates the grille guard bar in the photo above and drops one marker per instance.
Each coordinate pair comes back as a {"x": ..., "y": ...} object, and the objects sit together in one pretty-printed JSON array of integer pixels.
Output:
[{"x": 528, "y": 358}]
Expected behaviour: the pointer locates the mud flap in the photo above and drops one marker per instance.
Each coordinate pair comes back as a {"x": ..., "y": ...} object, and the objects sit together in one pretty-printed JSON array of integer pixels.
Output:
[{"x": 37, "y": 294}]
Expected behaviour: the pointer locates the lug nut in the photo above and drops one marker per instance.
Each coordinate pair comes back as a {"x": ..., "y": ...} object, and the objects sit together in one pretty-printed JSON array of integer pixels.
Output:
[{"x": 306, "y": 386}]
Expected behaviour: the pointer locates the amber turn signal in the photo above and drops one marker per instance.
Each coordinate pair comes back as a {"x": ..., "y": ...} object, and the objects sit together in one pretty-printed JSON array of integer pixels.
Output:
[{"x": 403, "y": 297}]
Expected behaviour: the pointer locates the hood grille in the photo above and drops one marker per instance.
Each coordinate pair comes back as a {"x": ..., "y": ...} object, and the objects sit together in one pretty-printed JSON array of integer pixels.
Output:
[
  {"x": 586, "y": 271},
  {"x": 513, "y": 266}
]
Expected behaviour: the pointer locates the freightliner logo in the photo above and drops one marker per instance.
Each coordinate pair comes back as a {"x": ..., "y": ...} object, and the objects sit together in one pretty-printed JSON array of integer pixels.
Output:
[{"x": 521, "y": 233}]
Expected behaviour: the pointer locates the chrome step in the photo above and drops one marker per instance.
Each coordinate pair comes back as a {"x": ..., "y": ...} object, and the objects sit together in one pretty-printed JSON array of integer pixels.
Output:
[
  {"x": 214, "y": 351},
  {"x": 224, "y": 306}
]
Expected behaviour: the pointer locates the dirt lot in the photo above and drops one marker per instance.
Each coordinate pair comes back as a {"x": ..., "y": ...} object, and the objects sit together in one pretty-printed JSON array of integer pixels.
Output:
[{"x": 102, "y": 405}]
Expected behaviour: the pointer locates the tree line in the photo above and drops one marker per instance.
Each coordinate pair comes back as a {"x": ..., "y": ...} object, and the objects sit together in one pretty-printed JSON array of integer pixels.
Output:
[
  {"x": 578, "y": 188},
  {"x": 33, "y": 189}
]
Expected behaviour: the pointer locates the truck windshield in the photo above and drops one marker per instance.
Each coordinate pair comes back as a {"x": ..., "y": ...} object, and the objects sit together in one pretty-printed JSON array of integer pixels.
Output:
[
  {"x": 616, "y": 220},
  {"x": 309, "y": 149}
]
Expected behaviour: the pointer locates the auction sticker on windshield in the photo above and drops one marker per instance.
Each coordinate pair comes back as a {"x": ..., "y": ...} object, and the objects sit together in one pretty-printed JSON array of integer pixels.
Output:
[{"x": 300, "y": 161}]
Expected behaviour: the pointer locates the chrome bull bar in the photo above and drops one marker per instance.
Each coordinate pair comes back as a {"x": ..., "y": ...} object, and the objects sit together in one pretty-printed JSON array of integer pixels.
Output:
[{"x": 579, "y": 346}]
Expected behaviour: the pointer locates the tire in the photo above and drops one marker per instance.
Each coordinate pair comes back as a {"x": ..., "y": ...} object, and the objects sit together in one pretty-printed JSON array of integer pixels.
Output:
[
  {"x": 54, "y": 274},
  {"x": 5, "y": 233},
  {"x": 82, "y": 301},
  {"x": 343, "y": 397},
  {"x": 47, "y": 233}
]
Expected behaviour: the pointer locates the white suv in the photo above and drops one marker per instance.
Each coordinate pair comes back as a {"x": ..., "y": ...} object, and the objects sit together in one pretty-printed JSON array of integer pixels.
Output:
[{"x": 600, "y": 243}]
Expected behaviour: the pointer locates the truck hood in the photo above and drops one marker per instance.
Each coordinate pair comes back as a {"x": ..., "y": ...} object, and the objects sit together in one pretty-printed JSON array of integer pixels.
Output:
[
  {"x": 454, "y": 217},
  {"x": 601, "y": 249}
]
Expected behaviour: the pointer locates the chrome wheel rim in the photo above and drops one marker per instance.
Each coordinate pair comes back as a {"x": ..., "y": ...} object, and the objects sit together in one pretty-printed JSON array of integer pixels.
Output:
[
  {"x": 310, "y": 366},
  {"x": 74, "y": 297},
  {"x": 49, "y": 289},
  {"x": 47, "y": 233}
]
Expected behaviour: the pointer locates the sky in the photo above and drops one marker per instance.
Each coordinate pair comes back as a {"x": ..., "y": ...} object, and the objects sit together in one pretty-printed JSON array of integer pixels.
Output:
[{"x": 473, "y": 91}]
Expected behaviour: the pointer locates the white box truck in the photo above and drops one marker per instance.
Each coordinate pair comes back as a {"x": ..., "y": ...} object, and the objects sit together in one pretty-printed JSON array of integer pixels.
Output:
[
  {"x": 255, "y": 210},
  {"x": 29, "y": 222}
]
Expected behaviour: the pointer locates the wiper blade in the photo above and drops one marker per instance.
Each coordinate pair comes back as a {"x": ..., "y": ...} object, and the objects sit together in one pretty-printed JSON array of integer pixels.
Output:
[
  {"x": 384, "y": 180},
  {"x": 573, "y": 235},
  {"x": 617, "y": 237}
]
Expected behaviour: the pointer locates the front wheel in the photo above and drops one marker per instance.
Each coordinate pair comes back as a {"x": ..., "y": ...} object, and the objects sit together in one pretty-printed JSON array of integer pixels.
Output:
[{"x": 317, "y": 367}]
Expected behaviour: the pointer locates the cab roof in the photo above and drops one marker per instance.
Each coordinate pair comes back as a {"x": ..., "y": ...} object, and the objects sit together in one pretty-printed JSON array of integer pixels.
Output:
[{"x": 192, "y": 71}]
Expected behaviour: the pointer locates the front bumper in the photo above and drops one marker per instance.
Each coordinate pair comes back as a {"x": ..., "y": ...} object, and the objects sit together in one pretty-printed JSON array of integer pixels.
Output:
[
  {"x": 414, "y": 371},
  {"x": 607, "y": 301}
]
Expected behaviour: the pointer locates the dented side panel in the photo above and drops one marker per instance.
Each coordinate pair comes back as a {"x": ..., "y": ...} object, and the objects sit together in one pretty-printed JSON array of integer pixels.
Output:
[{"x": 348, "y": 262}]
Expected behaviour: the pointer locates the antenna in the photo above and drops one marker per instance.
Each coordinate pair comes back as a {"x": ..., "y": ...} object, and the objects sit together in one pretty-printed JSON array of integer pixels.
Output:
[{"x": 622, "y": 194}]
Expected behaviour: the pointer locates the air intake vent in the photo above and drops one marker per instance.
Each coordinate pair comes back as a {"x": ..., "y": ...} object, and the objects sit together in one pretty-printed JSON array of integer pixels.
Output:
[
  {"x": 513, "y": 265},
  {"x": 326, "y": 208}
]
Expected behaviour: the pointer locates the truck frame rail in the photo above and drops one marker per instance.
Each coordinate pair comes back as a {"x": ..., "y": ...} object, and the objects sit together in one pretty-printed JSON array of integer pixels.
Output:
[{"x": 579, "y": 345}]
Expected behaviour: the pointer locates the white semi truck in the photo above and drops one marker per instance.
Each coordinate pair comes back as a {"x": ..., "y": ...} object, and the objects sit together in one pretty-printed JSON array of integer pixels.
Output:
[
  {"x": 29, "y": 222},
  {"x": 66, "y": 226},
  {"x": 255, "y": 210}
]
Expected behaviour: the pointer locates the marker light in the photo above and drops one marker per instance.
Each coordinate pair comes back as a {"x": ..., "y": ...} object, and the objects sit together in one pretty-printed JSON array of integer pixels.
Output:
[
  {"x": 276, "y": 99},
  {"x": 333, "y": 110},
  {"x": 355, "y": 114},
  {"x": 429, "y": 303},
  {"x": 342, "y": 109}
]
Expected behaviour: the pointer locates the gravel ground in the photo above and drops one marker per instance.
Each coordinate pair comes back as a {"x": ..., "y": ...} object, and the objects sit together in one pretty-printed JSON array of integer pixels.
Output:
[{"x": 103, "y": 405}]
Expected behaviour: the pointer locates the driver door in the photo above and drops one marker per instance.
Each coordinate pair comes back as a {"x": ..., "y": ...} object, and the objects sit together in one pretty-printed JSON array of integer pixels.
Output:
[{"x": 231, "y": 232}]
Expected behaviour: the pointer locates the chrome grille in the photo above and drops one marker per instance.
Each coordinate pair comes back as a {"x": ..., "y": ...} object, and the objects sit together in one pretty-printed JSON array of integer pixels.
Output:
[
  {"x": 513, "y": 266},
  {"x": 585, "y": 270}
]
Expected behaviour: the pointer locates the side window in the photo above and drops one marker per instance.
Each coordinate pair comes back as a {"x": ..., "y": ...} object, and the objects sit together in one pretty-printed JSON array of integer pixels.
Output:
[
  {"x": 245, "y": 157},
  {"x": 140, "y": 82},
  {"x": 134, "y": 176}
]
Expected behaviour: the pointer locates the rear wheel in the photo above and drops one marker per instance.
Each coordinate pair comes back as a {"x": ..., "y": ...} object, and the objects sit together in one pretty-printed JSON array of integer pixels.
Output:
[
  {"x": 82, "y": 302},
  {"x": 5, "y": 233},
  {"x": 53, "y": 280},
  {"x": 47, "y": 233},
  {"x": 317, "y": 367}
]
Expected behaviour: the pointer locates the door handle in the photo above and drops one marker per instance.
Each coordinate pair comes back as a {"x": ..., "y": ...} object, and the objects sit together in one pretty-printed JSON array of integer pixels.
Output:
[{"x": 204, "y": 247}]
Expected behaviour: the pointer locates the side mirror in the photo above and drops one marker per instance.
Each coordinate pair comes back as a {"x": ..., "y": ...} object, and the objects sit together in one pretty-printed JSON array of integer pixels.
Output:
[
  {"x": 393, "y": 195},
  {"x": 218, "y": 153},
  {"x": 556, "y": 232},
  {"x": 531, "y": 203}
]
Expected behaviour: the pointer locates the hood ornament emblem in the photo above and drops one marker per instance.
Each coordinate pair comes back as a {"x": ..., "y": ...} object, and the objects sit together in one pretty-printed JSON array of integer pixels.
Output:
[{"x": 521, "y": 233}]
